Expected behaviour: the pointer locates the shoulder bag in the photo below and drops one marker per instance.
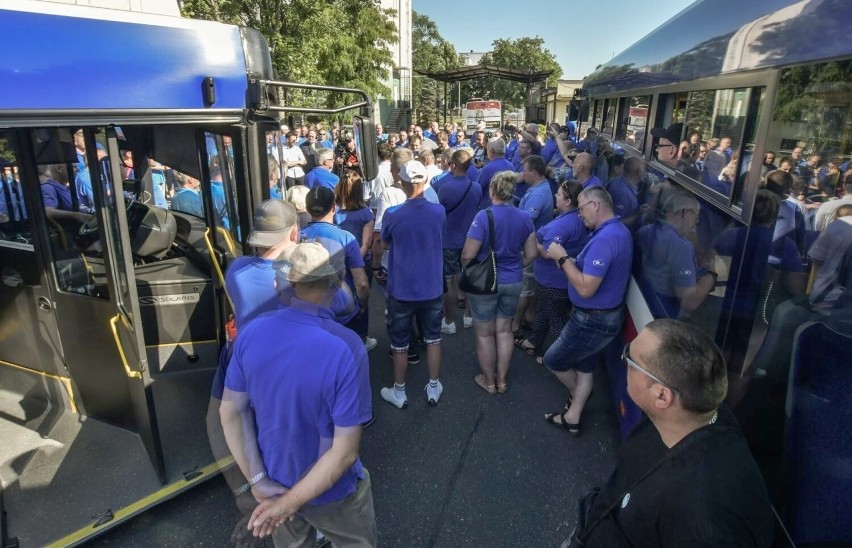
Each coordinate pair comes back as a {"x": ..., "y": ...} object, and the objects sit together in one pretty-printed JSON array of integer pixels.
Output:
[{"x": 480, "y": 277}]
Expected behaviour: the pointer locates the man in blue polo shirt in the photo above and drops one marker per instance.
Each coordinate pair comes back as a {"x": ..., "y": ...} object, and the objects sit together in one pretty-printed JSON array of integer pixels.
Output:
[
  {"x": 320, "y": 204},
  {"x": 497, "y": 162},
  {"x": 292, "y": 413},
  {"x": 598, "y": 279},
  {"x": 413, "y": 232},
  {"x": 460, "y": 198},
  {"x": 625, "y": 191},
  {"x": 322, "y": 175},
  {"x": 669, "y": 264},
  {"x": 584, "y": 170}
]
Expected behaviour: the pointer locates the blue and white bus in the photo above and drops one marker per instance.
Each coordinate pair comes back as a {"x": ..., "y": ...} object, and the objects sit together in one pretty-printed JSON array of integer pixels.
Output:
[
  {"x": 112, "y": 302},
  {"x": 751, "y": 88}
]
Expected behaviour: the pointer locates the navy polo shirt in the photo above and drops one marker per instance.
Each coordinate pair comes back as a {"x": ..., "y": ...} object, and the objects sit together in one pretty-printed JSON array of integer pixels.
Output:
[
  {"x": 625, "y": 201},
  {"x": 668, "y": 263},
  {"x": 320, "y": 176},
  {"x": 462, "y": 196},
  {"x": 487, "y": 173},
  {"x": 56, "y": 195},
  {"x": 568, "y": 231},
  {"x": 414, "y": 231},
  {"x": 512, "y": 227},
  {"x": 538, "y": 203},
  {"x": 592, "y": 181},
  {"x": 608, "y": 254},
  {"x": 300, "y": 387}
]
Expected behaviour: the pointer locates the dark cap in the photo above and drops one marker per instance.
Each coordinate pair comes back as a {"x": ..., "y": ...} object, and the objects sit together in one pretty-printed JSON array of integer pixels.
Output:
[
  {"x": 319, "y": 201},
  {"x": 272, "y": 221},
  {"x": 673, "y": 133}
]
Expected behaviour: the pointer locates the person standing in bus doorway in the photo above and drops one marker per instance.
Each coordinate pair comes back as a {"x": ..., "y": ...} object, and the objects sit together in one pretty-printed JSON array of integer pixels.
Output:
[
  {"x": 598, "y": 279},
  {"x": 292, "y": 413},
  {"x": 188, "y": 198},
  {"x": 677, "y": 377}
]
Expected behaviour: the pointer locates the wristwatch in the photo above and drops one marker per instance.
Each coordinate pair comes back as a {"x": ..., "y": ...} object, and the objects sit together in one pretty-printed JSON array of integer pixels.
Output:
[{"x": 562, "y": 260}]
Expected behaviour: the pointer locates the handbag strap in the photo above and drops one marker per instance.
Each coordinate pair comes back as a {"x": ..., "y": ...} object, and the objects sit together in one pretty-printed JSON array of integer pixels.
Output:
[
  {"x": 490, "y": 228},
  {"x": 469, "y": 184},
  {"x": 679, "y": 450}
]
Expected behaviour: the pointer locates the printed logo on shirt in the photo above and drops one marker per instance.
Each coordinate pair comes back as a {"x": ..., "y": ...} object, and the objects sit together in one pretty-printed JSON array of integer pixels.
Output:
[
  {"x": 625, "y": 501},
  {"x": 474, "y": 223},
  {"x": 598, "y": 263},
  {"x": 685, "y": 272}
]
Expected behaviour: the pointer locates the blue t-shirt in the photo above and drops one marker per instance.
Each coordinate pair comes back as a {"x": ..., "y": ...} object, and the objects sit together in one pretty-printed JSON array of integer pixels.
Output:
[
  {"x": 473, "y": 172},
  {"x": 512, "y": 227},
  {"x": 300, "y": 387},
  {"x": 414, "y": 230},
  {"x": 608, "y": 254},
  {"x": 625, "y": 201},
  {"x": 321, "y": 177},
  {"x": 487, "y": 173},
  {"x": 188, "y": 201},
  {"x": 341, "y": 245},
  {"x": 538, "y": 204},
  {"x": 568, "y": 231},
  {"x": 592, "y": 181},
  {"x": 668, "y": 263},
  {"x": 56, "y": 195},
  {"x": 549, "y": 150},
  {"x": 158, "y": 181},
  {"x": 353, "y": 222},
  {"x": 462, "y": 196},
  {"x": 220, "y": 207}
]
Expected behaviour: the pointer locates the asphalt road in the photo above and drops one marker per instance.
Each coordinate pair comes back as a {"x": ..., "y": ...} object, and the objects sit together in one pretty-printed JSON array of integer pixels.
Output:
[{"x": 477, "y": 470}]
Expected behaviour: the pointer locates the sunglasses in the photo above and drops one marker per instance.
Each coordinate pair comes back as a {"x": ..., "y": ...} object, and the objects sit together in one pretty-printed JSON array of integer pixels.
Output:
[{"x": 625, "y": 357}]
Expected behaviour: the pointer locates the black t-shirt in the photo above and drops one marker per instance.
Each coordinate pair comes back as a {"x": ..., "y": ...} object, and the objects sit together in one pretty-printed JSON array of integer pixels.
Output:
[{"x": 710, "y": 493}]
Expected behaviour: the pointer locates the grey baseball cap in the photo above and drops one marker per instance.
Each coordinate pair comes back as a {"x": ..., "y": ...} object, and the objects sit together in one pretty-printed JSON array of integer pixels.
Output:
[{"x": 272, "y": 221}]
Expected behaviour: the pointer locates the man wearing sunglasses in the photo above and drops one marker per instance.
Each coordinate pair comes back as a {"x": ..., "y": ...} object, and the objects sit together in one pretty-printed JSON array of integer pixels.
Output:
[{"x": 685, "y": 475}]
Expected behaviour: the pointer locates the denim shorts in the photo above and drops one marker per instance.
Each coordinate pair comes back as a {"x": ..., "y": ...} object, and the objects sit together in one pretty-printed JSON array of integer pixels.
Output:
[
  {"x": 401, "y": 316},
  {"x": 585, "y": 335},
  {"x": 528, "y": 290},
  {"x": 484, "y": 308},
  {"x": 452, "y": 262}
]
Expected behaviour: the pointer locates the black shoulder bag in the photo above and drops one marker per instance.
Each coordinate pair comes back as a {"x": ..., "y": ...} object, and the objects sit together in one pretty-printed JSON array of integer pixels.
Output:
[{"x": 480, "y": 277}]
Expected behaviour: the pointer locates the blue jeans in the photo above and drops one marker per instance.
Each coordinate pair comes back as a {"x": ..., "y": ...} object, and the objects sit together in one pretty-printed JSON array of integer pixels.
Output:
[
  {"x": 400, "y": 319},
  {"x": 585, "y": 335},
  {"x": 485, "y": 308}
]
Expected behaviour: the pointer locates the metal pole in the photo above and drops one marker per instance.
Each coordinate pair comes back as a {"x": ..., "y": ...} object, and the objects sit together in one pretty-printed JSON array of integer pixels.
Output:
[{"x": 445, "y": 102}]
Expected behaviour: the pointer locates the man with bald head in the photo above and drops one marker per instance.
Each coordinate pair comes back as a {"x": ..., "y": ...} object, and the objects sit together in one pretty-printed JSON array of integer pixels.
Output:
[{"x": 584, "y": 171}]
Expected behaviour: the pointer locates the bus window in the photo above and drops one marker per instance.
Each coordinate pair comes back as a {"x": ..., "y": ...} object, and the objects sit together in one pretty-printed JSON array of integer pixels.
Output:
[
  {"x": 275, "y": 169},
  {"x": 14, "y": 228},
  {"x": 599, "y": 114},
  {"x": 632, "y": 122},
  {"x": 223, "y": 184}
]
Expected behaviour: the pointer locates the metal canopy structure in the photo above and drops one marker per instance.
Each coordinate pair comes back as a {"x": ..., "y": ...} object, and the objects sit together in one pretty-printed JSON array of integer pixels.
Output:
[
  {"x": 524, "y": 76},
  {"x": 527, "y": 76}
]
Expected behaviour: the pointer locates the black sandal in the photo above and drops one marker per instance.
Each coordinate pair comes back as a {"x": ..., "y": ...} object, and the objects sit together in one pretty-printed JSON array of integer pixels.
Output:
[
  {"x": 519, "y": 342},
  {"x": 572, "y": 429}
]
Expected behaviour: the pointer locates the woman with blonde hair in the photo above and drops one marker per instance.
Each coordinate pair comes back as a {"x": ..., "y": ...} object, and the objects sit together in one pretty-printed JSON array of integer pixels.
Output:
[
  {"x": 514, "y": 248},
  {"x": 296, "y": 195}
]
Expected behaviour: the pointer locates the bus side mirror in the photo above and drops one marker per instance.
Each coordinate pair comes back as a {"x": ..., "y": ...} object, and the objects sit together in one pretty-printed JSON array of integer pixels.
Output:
[{"x": 365, "y": 146}]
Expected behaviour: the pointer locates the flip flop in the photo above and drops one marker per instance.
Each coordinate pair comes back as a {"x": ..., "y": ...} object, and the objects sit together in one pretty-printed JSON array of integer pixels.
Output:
[
  {"x": 519, "y": 342},
  {"x": 480, "y": 382},
  {"x": 572, "y": 429}
]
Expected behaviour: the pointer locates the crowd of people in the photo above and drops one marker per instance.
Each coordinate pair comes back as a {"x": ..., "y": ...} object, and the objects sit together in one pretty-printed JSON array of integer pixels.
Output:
[{"x": 568, "y": 220}]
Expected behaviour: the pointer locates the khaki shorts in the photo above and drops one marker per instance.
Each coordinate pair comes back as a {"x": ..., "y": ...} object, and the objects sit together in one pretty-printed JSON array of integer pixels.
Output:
[{"x": 347, "y": 522}]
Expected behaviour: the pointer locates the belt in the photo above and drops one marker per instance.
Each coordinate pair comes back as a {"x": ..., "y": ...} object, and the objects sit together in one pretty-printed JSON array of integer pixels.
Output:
[{"x": 599, "y": 310}]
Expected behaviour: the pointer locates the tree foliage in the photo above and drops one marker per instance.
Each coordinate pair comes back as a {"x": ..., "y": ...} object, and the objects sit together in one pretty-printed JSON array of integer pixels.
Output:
[
  {"x": 334, "y": 42},
  {"x": 430, "y": 52},
  {"x": 523, "y": 53}
]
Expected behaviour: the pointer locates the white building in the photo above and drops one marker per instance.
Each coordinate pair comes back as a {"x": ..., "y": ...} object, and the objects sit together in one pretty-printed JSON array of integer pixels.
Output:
[{"x": 395, "y": 111}]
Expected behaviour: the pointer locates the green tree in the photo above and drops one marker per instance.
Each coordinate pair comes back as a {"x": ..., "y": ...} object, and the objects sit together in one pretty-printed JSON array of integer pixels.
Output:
[
  {"x": 430, "y": 52},
  {"x": 335, "y": 42},
  {"x": 523, "y": 53}
]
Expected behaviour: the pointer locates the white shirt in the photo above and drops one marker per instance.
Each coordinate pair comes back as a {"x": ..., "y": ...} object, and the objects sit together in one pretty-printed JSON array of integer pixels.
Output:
[
  {"x": 374, "y": 189},
  {"x": 293, "y": 154},
  {"x": 432, "y": 170},
  {"x": 392, "y": 196},
  {"x": 828, "y": 211}
]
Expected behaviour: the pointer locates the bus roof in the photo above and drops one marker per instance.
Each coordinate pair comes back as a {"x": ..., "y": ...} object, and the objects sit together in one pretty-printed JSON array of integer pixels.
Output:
[
  {"x": 65, "y": 57},
  {"x": 714, "y": 37}
]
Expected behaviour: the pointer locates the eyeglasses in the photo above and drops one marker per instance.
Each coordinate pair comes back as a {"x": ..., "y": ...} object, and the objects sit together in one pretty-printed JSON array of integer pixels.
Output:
[
  {"x": 658, "y": 147},
  {"x": 625, "y": 357},
  {"x": 580, "y": 207}
]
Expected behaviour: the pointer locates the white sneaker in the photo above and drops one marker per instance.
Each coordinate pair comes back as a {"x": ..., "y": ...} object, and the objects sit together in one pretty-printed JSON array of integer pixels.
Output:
[
  {"x": 433, "y": 395},
  {"x": 389, "y": 395},
  {"x": 468, "y": 322},
  {"x": 448, "y": 328},
  {"x": 370, "y": 343}
]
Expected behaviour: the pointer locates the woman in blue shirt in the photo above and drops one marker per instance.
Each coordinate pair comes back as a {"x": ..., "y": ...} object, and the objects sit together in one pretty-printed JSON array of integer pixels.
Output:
[
  {"x": 569, "y": 231},
  {"x": 514, "y": 247},
  {"x": 355, "y": 217}
]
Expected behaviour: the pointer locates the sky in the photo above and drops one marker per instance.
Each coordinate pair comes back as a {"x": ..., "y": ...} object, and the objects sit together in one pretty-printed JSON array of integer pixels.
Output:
[{"x": 580, "y": 33}]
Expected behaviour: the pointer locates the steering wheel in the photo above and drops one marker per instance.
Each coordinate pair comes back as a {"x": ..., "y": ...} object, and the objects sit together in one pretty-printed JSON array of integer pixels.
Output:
[{"x": 90, "y": 227}]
